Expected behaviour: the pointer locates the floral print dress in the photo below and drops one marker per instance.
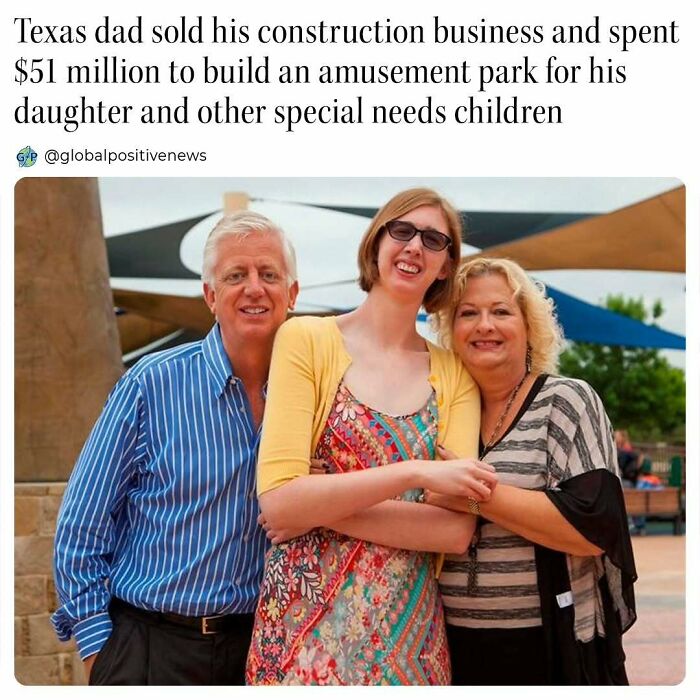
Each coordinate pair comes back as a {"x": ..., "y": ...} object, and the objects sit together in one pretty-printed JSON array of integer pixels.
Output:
[{"x": 335, "y": 610}]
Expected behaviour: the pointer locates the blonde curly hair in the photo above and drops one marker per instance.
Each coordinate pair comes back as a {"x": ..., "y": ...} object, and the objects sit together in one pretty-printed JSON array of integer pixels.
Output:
[{"x": 544, "y": 334}]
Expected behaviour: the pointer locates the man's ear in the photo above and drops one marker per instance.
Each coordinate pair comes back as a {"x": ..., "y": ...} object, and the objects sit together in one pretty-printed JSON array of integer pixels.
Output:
[
  {"x": 293, "y": 293},
  {"x": 210, "y": 297}
]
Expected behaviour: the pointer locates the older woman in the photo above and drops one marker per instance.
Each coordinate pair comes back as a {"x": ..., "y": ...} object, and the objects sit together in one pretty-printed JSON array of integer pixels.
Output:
[
  {"x": 356, "y": 601},
  {"x": 544, "y": 592}
]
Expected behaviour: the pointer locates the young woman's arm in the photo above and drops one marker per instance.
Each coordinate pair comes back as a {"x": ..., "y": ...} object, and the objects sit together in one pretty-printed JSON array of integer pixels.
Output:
[{"x": 400, "y": 524}]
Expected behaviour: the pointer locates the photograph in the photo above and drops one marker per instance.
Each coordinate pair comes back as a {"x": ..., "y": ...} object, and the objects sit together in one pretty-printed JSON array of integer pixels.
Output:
[{"x": 350, "y": 431}]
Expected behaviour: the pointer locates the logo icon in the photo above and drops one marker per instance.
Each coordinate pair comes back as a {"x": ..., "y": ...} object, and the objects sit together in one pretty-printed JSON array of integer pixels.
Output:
[{"x": 26, "y": 157}]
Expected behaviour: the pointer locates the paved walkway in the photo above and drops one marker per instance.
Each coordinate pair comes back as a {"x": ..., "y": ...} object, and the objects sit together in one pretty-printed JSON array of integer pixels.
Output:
[{"x": 655, "y": 646}]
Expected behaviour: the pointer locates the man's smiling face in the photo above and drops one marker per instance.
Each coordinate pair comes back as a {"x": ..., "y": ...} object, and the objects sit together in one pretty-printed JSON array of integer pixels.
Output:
[{"x": 250, "y": 294}]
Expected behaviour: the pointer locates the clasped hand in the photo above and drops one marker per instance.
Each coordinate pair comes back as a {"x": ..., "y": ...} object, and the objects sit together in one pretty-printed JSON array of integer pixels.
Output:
[{"x": 465, "y": 478}]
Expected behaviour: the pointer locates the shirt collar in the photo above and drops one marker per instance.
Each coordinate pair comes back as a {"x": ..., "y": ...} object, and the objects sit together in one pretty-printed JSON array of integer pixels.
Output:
[{"x": 217, "y": 360}]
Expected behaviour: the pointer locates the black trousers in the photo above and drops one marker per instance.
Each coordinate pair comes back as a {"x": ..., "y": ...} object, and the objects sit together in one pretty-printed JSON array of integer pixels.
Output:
[
  {"x": 146, "y": 651},
  {"x": 497, "y": 656}
]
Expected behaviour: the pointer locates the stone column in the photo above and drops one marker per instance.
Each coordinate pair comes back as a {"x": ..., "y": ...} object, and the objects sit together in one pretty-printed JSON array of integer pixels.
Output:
[{"x": 67, "y": 352}]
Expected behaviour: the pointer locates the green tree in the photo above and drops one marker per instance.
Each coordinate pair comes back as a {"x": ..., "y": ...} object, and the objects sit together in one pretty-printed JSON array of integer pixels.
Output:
[{"x": 642, "y": 393}]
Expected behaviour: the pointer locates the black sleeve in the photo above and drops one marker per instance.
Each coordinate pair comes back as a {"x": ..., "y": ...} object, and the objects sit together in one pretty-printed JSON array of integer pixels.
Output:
[{"x": 594, "y": 504}]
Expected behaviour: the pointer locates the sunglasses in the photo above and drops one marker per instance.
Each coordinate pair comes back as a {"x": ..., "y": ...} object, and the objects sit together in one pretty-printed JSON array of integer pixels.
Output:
[{"x": 404, "y": 231}]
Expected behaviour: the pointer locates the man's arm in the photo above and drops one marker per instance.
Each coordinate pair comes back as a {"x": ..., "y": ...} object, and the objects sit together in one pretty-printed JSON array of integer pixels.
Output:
[{"x": 85, "y": 530}]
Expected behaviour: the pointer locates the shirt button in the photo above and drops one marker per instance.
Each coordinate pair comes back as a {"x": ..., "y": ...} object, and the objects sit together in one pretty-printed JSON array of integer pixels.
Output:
[
  {"x": 246, "y": 538},
  {"x": 238, "y": 581}
]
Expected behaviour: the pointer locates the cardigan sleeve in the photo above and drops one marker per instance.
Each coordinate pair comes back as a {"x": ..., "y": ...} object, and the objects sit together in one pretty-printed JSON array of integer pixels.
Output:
[
  {"x": 460, "y": 410},
  {"x": 287, "y": 432}
]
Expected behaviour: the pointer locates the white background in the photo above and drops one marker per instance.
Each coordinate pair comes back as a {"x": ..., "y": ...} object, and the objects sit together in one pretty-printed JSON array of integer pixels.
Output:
[{"x": 645, "y": 127}]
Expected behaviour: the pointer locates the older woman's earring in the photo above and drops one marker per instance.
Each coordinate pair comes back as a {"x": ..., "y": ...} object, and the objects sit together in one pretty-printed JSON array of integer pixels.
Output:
[{"x": 528, "y": 359}]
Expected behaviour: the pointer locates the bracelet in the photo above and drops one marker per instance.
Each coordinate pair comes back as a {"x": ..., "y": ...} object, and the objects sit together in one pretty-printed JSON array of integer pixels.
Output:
[{"x": 473, "y": 506}]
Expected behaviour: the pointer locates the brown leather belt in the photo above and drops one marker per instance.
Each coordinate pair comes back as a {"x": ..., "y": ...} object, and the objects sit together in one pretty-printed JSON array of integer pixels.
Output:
[{"x": 210, "y": 624}]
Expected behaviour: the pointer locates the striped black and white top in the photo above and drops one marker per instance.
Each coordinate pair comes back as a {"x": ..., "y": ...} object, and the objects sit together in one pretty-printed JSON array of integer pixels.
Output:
[
  {"x": 161, "y": 509},
  {"x": 561, "y": 431}
]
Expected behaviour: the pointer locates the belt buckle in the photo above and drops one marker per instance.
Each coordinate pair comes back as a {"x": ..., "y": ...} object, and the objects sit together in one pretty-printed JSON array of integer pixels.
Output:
[{"x": 205, "y": 624}]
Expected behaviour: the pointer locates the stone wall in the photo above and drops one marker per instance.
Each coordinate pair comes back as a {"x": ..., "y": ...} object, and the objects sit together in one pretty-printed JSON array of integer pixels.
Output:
[{"x": 40, "y": 659}]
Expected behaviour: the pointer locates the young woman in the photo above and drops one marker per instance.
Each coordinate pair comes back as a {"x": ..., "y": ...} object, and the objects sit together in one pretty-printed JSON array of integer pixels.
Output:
[{"x": 356, "y": 601}]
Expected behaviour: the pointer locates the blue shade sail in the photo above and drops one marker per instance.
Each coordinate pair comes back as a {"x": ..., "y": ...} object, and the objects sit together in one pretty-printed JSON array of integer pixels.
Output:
[{"x": 593, "y": 324}]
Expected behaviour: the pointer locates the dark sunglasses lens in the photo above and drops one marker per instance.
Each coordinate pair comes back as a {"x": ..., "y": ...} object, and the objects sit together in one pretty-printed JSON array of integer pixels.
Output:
[
  {"x": 401, "y": 231},
  {"x": 435, "y": 240}
]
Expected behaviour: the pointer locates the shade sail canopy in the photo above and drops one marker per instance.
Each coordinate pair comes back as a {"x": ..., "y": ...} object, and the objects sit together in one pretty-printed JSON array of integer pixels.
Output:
[
  {"x": 489, "y": 228},
  {"x": 649, "y": 235},
  {"x": 186, "y": 312},
  {"x": 594, "y": 324},
  {"x": 152, "y": 252}
]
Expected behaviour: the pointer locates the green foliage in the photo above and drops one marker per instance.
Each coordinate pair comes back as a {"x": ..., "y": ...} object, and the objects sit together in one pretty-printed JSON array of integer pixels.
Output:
[{"x": 642, "y": 393}]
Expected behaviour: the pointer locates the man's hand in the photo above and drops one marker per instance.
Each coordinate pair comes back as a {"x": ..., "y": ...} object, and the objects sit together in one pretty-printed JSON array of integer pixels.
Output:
[
  {"x": 280, "y": 536},
  {"x": 89, "y": 662},
  {"x": 318, "y": 466}
]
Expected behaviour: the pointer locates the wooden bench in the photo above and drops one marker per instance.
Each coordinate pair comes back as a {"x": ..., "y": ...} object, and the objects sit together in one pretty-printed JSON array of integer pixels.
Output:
[{"x": 664, "y": 503}]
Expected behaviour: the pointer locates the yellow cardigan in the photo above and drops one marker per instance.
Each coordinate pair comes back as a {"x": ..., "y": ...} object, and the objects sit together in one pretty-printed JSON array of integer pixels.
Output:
[{"x": 308, "y": 361}]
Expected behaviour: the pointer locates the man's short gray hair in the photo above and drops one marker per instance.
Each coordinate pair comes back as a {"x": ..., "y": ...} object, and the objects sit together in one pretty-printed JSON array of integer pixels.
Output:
[{"x": 241, "y": 225}]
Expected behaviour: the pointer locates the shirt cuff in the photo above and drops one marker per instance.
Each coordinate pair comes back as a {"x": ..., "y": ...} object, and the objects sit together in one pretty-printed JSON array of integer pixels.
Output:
[{"x": 92, "y": 633}]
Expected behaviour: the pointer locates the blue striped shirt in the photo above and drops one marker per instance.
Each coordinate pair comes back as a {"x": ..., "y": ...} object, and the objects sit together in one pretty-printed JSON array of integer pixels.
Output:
[{"x": 160, "y": 509}]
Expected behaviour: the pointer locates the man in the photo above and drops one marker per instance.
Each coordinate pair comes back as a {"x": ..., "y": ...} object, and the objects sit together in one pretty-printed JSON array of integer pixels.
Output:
[{"x": 158, "y": 555}]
